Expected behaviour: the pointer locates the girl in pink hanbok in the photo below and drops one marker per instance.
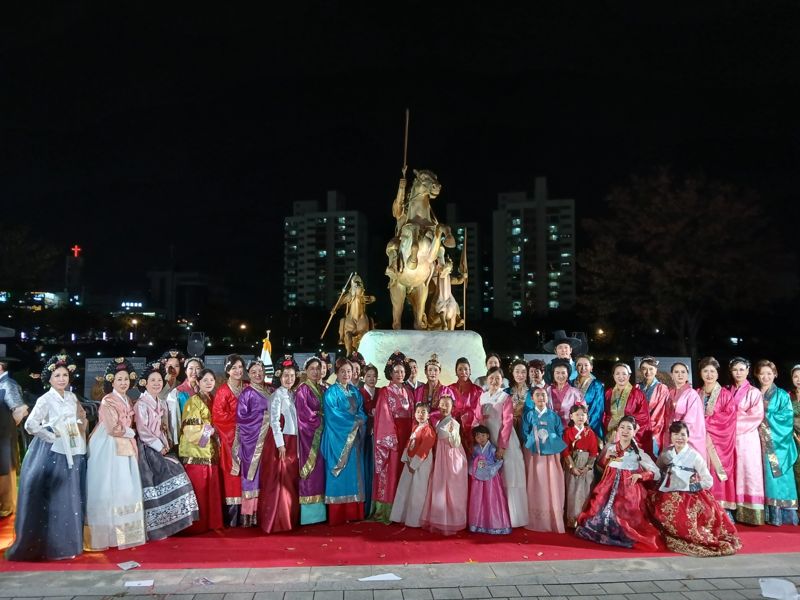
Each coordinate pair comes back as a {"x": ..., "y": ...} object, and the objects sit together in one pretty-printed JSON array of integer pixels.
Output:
[
  {"x": 446, "y": 505},
  {"x": 685, "y": 405},
  {"x": 488, "y": 508},
  {"x": 749, "y": 461}
]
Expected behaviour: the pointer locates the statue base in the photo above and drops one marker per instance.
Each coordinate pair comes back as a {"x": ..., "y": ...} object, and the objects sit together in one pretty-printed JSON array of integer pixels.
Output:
[{"x": 377, "y": 345}]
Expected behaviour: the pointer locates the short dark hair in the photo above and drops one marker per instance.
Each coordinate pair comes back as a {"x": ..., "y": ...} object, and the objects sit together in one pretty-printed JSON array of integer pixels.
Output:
[
  {"x": 708, "y": 361},
  {"x": 678, "y": 426},
  {"x": 480, "y": 429}
]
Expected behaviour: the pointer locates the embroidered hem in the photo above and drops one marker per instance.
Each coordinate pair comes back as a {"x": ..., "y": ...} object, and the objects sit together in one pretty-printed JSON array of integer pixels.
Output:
[
  {"x": 312, "y": 499},
  {"x": 344, "y": 499}
]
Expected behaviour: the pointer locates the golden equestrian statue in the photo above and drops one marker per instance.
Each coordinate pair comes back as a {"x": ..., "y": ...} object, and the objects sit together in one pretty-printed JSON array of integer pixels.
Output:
[
  {"x": 416, "y": 247},
  {"x": 355, "y": 322}
]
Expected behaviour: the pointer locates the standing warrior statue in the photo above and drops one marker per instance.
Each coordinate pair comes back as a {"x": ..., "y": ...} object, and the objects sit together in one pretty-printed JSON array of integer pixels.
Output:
[
  {"x": 443, "y": 310},
  {"x": 355, "y": 322}
]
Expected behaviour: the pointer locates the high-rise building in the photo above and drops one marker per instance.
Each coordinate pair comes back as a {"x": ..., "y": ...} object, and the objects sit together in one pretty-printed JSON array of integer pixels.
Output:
[
  {"x": 461, "y": 229},
  {"x": 534, "y": 253},
  {"x": 320, "y": 250}
]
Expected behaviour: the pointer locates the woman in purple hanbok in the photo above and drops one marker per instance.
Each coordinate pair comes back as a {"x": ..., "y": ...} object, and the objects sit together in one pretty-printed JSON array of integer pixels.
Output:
[
  {"x": 252, "y": 426},
  {"x": 308, "y": 402}
]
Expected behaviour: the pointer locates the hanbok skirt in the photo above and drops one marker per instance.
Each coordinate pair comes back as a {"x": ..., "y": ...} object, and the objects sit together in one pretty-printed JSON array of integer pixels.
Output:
[
  {"x": 279, "y": 504},
  {"x": 545, "y": 493},
  {"x": 369, "y": 469},
  {"x": 208, "y": 491},
  {"x": 446, "y": 504},
  {"x": 488, "y": 506},
  {"x": 578, "y": 489},
  {"x": 114, "y": 510},
  {"x": 51, "y": 507},
  {"x": 694, "y": 523},
  {"x": 616, "y": 514},
  {"x": 409, "y": 500},
  {"x": 170, "y": 504}
]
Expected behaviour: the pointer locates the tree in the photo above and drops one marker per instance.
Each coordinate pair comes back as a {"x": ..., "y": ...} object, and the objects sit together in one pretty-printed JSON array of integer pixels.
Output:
[
  {"x": 26, "y": 261},
  {"x": 669, "y": 252}
]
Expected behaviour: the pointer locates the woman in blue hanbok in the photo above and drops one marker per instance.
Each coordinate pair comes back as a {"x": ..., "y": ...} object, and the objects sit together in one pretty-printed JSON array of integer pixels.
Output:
[
  {"x": 778, "y": 448},
  {"x": 594, "y": 393},
  {"x": 342, "y": 447}
]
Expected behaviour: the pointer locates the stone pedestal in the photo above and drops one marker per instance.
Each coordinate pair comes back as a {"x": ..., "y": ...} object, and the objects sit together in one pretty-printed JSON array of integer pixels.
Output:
[{"x": 377, "y": 345}]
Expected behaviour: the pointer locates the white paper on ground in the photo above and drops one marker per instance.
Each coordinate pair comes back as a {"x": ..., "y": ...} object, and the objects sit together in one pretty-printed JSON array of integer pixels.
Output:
[
  {"x": 381, "y": 577},
  {"x": 128, "y": 565},
  {"x": 780, "y": 589},
  {"x": 140, "y": 583}
]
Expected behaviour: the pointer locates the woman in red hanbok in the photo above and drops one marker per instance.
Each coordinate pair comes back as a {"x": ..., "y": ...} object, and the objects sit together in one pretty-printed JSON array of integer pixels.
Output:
[
  {"x": 223, "y": 416},
  {"x": 690, "y": 518},
  {"x": 394, "y": 420},
  {"x": 625, "y": 399},
  {"x": 657, "y": 396},
  {"x": 279, "y": 505},
  {"x": 467, "y": 400},
  {"x": 429, "y": 392},
  {"x": 616, "y": 514},
  {"x": 720, "y": 415}
]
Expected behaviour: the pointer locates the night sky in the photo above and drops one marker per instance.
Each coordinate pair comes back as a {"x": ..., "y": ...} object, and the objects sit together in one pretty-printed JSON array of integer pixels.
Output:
[{"x": 128, "y": 130}]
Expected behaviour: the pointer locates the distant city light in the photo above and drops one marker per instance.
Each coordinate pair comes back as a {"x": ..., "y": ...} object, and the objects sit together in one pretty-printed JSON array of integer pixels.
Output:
[
  {"x": 243, "y": 326},
  {"x": 128, "y": 304}
]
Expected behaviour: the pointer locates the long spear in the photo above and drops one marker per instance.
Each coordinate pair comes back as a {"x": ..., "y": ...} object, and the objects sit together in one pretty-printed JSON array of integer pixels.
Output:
[
  {"x": 405, "y": 145},
  {"x": 335, "y": 306},
  {"x": 463, "y": 267}
]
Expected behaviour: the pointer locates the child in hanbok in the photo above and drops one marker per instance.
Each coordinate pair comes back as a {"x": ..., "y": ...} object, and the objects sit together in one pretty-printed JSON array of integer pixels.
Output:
[
  {"x": 543, "y": 432},
  {"x": 488, "y": 507},
  {"x": 690, "y": 518},
  {"x": 616, "y": 514},
  {"x": 578, "y": 458},
  {"x": 417, "y": 460},
  {"x": 446, "y": 505}
]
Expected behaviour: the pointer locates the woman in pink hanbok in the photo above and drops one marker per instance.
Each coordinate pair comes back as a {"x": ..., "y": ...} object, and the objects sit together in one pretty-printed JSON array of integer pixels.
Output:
[
  {"x": 466, "y": 398},
  {"x": 445, "y": 509},
  {"x": 749, "y": 467},
  {"x": 560, "y": 394},
  {"x": 720, "y": 414},
  {"x": 685, "y": 405},
  {"x": 394, "y": 412}
]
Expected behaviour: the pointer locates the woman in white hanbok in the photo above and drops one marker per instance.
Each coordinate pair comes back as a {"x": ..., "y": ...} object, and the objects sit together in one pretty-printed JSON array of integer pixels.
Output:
[
  {"x": 496, "y": 412},
  {"x": 114, "y": 511}
]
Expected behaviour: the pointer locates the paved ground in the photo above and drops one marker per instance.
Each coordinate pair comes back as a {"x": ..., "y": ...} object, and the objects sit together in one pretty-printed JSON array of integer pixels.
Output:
[{"x": 674, "y": 578}]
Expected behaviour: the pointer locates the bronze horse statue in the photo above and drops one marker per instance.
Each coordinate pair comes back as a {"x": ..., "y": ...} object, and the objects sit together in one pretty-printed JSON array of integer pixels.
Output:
[{"x": 416, "y": 247}]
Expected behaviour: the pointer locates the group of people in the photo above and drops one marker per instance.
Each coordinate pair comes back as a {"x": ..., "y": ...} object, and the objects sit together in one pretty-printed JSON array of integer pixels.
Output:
[{"x": 548, "y": 449}]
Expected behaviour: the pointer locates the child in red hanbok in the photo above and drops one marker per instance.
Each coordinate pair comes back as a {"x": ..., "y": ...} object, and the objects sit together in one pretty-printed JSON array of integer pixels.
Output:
[
  {"x": 578, "y": 458},
  {"x": 446, "y": 505},
  {"x": 488, "y": 506},
  {"x": 417, "y": 461}
]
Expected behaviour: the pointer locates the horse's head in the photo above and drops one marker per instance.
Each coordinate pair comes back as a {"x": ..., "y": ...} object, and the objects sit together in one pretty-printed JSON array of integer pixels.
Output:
[{"x": 425, "y": 183}]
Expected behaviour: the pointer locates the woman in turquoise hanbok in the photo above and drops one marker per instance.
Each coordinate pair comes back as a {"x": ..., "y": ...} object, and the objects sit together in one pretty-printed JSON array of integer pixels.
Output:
[{"x": 778, "y": 448}]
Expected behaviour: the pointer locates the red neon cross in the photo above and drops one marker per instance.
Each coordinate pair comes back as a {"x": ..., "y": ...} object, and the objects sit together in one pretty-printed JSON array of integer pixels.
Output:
[{"x": 76, "y": 250}]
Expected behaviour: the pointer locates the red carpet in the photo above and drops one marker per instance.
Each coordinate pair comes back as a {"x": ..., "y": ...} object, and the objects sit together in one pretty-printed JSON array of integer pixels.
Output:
[{"x": 367, "y": 543}]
